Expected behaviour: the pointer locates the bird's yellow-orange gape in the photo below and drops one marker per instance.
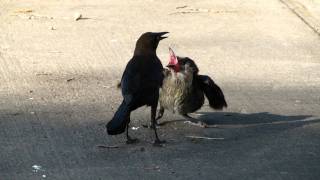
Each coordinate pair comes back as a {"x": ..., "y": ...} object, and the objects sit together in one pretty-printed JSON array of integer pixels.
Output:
[
  {"x": 183, "y": 89},
  {"x": 140, "y": 84}
]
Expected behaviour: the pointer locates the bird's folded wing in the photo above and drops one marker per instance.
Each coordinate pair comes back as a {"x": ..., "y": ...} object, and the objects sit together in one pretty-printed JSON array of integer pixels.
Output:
[{"x": 131, "y": 79}]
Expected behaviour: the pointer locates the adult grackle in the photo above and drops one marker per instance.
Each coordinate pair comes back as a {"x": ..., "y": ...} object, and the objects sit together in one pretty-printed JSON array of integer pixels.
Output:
[{"x": 140, "y": 84}]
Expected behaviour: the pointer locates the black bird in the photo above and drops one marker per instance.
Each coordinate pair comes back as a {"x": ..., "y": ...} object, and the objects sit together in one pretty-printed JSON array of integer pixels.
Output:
[
  {"x": 183, "y": 89},
  {"x": 140, "y": 84}
]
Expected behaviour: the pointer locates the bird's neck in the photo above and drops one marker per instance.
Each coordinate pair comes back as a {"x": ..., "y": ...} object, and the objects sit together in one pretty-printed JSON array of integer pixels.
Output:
[{"x": 144, "y": 52}]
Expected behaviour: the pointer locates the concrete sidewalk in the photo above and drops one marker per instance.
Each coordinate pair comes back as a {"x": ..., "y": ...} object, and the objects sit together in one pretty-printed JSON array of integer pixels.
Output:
[{"x": 58, "y": 80}]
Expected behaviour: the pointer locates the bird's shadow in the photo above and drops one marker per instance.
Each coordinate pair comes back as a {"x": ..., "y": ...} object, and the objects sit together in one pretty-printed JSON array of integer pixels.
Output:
[{"x": 233, "y": 119}]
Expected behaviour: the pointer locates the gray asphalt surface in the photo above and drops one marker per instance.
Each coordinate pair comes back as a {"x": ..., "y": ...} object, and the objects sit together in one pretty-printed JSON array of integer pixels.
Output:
[{"x": 58, "y": 90}]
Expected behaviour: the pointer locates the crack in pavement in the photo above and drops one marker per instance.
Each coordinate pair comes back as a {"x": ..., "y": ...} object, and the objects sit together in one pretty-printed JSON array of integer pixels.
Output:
[{"x": 302, "y": 13}]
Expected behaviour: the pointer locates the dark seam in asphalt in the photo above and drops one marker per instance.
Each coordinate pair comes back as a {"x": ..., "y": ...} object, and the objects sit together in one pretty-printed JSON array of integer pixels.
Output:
[{"x": 301, "y": 17}]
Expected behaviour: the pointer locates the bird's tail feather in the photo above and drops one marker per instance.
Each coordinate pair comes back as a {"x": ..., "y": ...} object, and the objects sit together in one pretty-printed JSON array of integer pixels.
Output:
[
  {"x": 119, "y": 122},
  {"x": 213, "y": 92}
]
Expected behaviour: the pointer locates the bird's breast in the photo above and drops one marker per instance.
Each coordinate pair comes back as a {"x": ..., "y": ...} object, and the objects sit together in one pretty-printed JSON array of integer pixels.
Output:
[{"x": 175, "y": 89}]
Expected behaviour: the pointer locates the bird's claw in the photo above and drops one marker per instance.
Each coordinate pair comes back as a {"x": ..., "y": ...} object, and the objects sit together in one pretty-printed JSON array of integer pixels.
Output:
[{"x": 198, "y": 123}]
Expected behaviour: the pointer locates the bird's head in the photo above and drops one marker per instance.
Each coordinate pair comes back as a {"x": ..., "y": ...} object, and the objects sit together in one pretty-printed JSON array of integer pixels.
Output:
[
  {"x": 183, "y": 61},
  {"x": 149, "y": 41},
  {"x": 173, "y": 61}
]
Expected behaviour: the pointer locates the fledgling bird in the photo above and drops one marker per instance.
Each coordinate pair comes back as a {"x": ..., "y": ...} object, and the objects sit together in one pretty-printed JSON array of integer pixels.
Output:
[
  {"x": 140, "y": 84},
  {"x": 184, "y": 90}
]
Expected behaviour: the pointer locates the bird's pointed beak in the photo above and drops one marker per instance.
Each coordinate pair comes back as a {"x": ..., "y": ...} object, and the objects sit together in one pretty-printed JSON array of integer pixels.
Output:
[
  {"x": 160, "y": 35},
  {"x": 173, "y": 61}
]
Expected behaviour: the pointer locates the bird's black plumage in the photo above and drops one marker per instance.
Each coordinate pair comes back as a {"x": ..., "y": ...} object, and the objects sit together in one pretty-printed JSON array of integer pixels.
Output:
[{"x": 140, "y": 83}]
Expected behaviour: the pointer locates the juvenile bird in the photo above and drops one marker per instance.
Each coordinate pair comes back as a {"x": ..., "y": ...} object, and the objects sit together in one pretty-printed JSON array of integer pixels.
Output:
[
  {"x": 183, "y": 89},
  {"x": 140, "y": 84}
]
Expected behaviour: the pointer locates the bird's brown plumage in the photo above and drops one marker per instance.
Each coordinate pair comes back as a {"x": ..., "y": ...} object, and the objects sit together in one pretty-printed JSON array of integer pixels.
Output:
[
  {"x": 183, "y": 92},
  {"x": 176, "y": 90}
]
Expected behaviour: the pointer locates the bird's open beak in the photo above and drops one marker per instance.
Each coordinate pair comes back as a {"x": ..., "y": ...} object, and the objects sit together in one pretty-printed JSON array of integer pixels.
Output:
[
  {"x": 160, "y": 35},
  {"x": 173, "y": 62}
]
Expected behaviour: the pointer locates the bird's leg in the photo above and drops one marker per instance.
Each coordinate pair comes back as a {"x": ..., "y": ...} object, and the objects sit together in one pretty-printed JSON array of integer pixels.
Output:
[
  {"x": 129, "y": 139},
  {"x": 160, "y": 114},
  {"x": 194, "y": 121},
  {"x": 157, "y": 142}
]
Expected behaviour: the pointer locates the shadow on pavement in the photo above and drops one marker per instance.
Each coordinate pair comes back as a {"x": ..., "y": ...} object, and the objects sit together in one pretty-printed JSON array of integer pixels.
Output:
[
  {"x": 230, "y": 119},
  {"x": 235, "y": 120}
]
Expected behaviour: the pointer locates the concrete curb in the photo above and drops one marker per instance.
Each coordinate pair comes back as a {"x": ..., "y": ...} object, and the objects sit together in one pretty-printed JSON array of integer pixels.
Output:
[{"x": 302, "y": 12}]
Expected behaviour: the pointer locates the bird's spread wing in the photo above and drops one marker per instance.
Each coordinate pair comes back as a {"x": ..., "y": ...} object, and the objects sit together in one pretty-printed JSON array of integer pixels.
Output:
[{"x": 212, "y": 91}]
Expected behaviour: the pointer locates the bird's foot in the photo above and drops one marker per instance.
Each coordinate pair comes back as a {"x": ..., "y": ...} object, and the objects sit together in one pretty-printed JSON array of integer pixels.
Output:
[
  {"x": 132, "y": 140},
  {"x": 197, "y": 123},
  {"x": 159, "y": 143}
]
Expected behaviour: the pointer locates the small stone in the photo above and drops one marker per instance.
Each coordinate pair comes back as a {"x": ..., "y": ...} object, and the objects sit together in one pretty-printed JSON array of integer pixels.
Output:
[
  {"x": 135, "y": 128},
  {"x": 77, "y": 16}
]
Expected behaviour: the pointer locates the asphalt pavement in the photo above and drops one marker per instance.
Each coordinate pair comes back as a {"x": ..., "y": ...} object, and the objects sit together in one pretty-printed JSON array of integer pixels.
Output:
[{"x": 58, "y": 90}]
